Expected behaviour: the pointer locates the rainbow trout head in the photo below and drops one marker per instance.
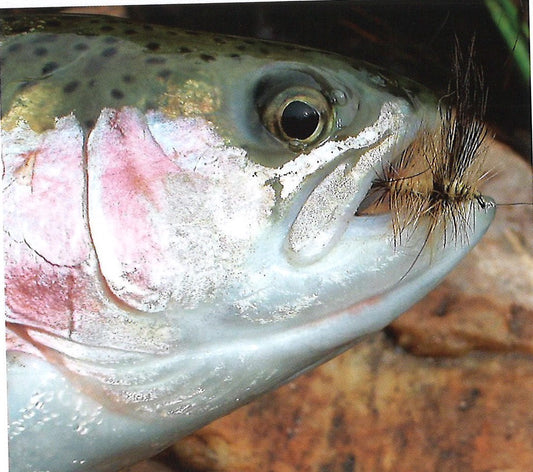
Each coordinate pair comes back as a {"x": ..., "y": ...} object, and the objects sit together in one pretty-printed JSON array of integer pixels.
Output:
[{"x": 181, "y": 227}]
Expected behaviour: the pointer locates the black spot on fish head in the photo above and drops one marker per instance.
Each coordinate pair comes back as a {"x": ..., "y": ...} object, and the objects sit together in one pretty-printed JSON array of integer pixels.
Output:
[
  {"x": 71, "y": 87},
  {"x": 109, "y": 52},
  {"x": 155, "y": 60},
  {"x": 153, "y": 46},
  {"x": 81, "y": 47},
  {"x": 164, "y": 74},
  {"x": 15, "y": 47},
  {"x": 117, "y": 94},
  {"x": 40, "y": 52},
  {"x": 49, "y": 67}
]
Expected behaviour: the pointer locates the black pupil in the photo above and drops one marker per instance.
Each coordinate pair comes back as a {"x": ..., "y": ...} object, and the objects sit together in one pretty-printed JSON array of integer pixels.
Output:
[{"x": 299, "y": 120}]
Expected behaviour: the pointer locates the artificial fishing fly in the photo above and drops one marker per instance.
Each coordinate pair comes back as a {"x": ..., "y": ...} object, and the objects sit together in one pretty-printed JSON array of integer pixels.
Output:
[{"x": 436, "y": 179}]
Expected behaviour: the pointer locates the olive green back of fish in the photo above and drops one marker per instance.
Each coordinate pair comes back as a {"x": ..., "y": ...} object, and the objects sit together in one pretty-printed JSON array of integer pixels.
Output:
[
  {"x": 53, "y": 66},
  {"x": 56, "y": 65}
]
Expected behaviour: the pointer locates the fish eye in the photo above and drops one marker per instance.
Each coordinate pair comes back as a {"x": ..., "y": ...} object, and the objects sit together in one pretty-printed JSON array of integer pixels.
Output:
[
  {"x": 299, "y": 120},
  {"x": 298, "y": 116}
]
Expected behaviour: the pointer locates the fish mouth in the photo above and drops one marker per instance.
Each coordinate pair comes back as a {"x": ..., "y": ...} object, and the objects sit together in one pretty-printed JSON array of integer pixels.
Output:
[{"x": 331, "y": 204}]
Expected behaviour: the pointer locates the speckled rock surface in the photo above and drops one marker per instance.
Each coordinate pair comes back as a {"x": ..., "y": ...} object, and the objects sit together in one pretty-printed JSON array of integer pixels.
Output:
[{"x": 447, "y": 387}]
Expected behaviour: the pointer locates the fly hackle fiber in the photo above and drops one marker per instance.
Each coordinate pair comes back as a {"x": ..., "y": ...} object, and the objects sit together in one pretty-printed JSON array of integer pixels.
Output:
[{"x": 435, "y": 182}]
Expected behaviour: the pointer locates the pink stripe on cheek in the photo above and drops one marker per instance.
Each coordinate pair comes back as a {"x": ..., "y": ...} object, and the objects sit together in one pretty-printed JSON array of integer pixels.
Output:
[
  {"x": 46, "y": 296},
  {"x": 135, "y": 168},
  {"x": 128, "y": 203},
  {"x": 43, "y": 295}
]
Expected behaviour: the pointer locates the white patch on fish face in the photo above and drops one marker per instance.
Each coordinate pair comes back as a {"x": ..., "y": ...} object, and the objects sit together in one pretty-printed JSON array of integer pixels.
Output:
[
  {"x": 171, "y": 222},
  {"x": 42, "y": 189},
  {"x": 239, "y": 189}
]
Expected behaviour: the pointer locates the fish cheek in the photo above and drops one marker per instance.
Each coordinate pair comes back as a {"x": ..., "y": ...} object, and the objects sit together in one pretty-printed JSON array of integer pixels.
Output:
[
  {"x": 166, "y": 223},
  {"x": 125, "y": 196}
]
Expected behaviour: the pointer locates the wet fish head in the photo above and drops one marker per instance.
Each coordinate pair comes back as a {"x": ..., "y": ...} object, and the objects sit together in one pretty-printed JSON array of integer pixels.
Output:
[{"x": 209, "y": 245}]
